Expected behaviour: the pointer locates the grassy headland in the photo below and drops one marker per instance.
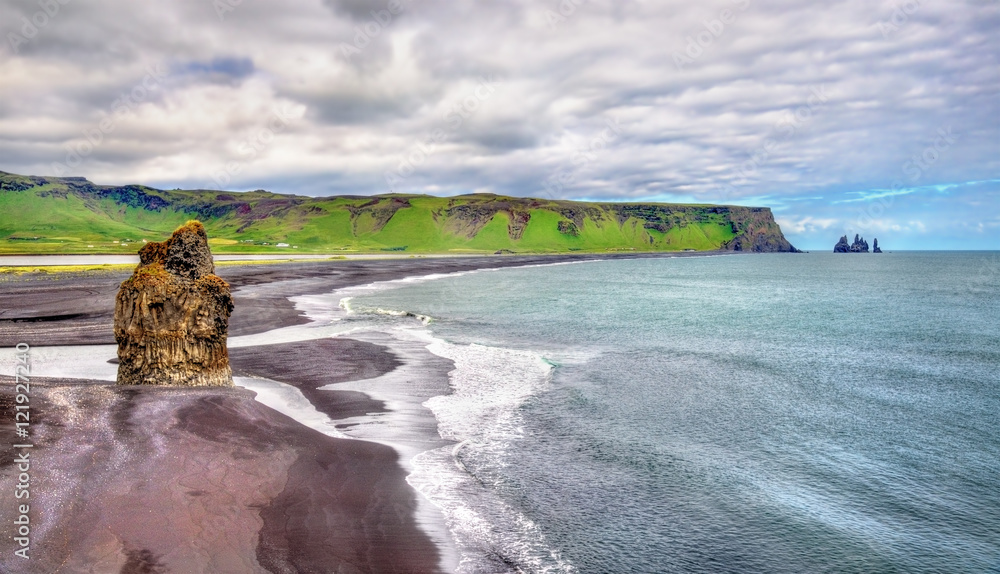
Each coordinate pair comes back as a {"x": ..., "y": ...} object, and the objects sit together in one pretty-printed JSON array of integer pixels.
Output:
[{"x": 50, "y": 215}]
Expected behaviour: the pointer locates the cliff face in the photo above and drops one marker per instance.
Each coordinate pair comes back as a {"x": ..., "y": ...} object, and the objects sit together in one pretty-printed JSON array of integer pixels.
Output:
[
  {"x": 172, "y": 315},
  {"x": 757, "y": 231}
]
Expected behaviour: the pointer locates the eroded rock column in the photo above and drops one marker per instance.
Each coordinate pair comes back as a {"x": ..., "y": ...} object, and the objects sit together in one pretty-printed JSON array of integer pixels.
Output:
[{"x": 172, "y": 315}]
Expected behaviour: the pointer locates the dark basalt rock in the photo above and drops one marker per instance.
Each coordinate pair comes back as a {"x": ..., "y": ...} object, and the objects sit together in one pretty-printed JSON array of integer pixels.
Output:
[
  {"x": 875, "y": 248},
  {"x": 755, "y": 230},
  {"x": 188, "y": 254},
  {"x": 172, "y": 315},
  {"x": 859, "y": 245},
  {"x": 569, "y": 228}
]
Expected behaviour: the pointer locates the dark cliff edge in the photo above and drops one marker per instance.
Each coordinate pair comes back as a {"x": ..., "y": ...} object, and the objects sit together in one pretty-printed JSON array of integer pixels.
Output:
[{"x": 757, "y": 231}]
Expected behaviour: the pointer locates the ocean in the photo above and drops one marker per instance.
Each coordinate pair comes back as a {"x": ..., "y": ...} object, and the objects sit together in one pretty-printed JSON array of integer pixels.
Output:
[{"x": 749, "y": 413}]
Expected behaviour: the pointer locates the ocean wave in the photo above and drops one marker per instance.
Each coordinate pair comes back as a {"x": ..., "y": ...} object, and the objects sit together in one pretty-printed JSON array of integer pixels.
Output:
[
  {"x": 483, "y": 415},
  {"x": 378, "y": 286},
  {"x": 345, "y": 304}
]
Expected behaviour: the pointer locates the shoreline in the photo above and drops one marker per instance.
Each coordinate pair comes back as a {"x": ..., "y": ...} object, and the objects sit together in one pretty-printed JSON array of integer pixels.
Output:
[
  {"x": 68, "y": 312},
  {"x": 13, "y": 260},
  {"x": 78, "y": 308}
]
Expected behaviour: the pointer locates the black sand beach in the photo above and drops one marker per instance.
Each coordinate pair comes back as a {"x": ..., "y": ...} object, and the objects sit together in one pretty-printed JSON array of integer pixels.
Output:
[
  {"x": 128, "y": 479},
  {"x": 210, "y": 480},
  {"x": 78, "y": 308}
]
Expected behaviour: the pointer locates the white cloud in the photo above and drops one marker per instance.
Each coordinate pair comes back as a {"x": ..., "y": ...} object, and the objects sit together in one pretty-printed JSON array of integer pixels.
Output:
[
  {"x": 696, "y": 132},
  {"x": 805, "y": 224}
]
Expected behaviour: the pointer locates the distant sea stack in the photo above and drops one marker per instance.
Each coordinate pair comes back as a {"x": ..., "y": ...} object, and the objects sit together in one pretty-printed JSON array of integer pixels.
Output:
[
  {"x": 859, "y": 245},
  {"x": 172, "y": 315},
  {"x": 875, "y": 247}
]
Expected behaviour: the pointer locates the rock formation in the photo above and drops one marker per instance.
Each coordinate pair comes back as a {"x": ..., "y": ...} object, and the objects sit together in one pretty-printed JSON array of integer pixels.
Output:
[
  {"x": 859, "y": 245},
  {"x": 875, "y": 248},
  {"x": 172, "y": 315}
]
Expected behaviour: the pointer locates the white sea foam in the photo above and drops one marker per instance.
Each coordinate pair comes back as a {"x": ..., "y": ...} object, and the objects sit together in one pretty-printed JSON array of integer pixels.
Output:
[
  {"x": 345, "y": 304},
  {"x": 483, "y": 414},
  {"x": 69, "y": 362},
  {"x": 406, "y": 425},
  {"x": 290, "y": 401},
  {"x": 370, "y": 288}
]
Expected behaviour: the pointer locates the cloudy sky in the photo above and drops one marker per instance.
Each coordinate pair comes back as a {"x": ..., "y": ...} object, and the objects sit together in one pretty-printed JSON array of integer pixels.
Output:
[{"x": 851, "y": 116}]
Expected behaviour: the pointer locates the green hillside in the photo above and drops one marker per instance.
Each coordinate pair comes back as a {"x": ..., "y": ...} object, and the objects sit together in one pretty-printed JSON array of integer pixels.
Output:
[{"x": 73, "y": 215}]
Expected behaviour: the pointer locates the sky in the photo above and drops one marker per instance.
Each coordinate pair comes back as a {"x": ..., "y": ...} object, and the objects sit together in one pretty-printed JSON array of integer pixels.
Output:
[{"x": 854, "y": 116}]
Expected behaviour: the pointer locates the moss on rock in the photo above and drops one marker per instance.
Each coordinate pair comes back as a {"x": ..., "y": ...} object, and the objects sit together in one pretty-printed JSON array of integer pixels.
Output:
[{"x": 172, "y": 315}]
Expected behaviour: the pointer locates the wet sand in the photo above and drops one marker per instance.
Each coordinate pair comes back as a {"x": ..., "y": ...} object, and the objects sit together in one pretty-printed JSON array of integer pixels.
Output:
[
  {"x": 309, "y": 365},
  {"x": 206, "y": 480}
]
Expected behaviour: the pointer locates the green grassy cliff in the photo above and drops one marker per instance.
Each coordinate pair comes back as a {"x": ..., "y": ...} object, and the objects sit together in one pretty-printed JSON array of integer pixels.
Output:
[{"x": 73, "y": 215}]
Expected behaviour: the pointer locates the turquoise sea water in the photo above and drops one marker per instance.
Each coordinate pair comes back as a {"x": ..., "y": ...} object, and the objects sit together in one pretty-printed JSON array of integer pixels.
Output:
[{"x": 750, "y": 413}]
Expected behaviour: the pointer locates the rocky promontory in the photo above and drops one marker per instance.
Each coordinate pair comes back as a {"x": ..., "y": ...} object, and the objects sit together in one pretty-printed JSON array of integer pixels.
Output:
[
  {"x": 172, "y": 315},
  {"x": 484, "y": 223}
]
